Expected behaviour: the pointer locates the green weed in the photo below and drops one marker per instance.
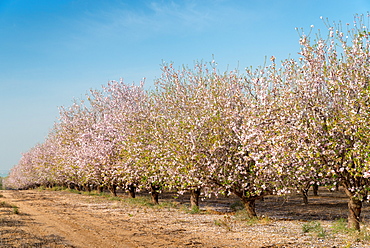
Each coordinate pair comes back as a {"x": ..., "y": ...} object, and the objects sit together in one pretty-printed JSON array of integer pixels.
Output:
[
  {"x": 114, "y": 198},
  {"x": 194, "y": 210},
  {"x": 139, "y": 201},
  {"x": 227, "y": 222},
  {"x": 74, "y": 191},
  {"x": 168, "y": 204},
  {"x": 15, "y": 210},
  {"x": 5, "y": 204},
  {"x": 58, "y": 188},
  {"x": 341, "y": 226},
  {"x": 96, "y": 193},
  {"x": 242, "y": 215},
  {"x": 314, "y": 227}
]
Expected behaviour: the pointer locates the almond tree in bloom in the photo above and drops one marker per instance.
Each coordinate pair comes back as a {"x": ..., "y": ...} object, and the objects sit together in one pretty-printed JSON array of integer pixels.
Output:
[
  {"x": 146, "y": 146},
  {"x": 124, "y": 108},
  {"x": 259, "y": 170},
  {"x": 119, "y": 108},
  {"x": 202, "y": 113},
  {"x": 95, "y": 134},
  {"x": 182, "y": 126},
  {"x": 23, "y": 175},
  {"x": 37, "y": 167},
  {"x": 331, "y": 89},
  {"x": 74, "y": 149},
  {"x": 285, "y": 126}
]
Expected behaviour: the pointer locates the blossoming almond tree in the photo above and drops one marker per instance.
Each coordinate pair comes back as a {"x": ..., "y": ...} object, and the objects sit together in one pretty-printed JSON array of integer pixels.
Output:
[
  {"x": 205, "y": 111},
  {"x": 332, "y": 83},
  {"x": 296, "y": 139},
  {"x": 37, "y": 167},
  {"x": 128, "y": 110},
  {"x": 23, "y": 175},
  {"x": 118, "y": 107},
  {"x": 181, "y": 119},
  {"x": 258, "y": 171}
]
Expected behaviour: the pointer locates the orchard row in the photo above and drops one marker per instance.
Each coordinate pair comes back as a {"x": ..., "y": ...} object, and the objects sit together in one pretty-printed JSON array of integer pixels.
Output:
[{"x": 260, "y": 132}]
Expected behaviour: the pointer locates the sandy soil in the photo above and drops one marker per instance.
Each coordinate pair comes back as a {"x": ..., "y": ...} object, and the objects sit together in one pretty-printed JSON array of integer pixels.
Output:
[{"x": 63, "y": 219}]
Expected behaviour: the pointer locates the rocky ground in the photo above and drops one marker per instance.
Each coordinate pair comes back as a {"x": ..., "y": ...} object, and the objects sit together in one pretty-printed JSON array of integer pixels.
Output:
[{"x": 44, "y": 218}]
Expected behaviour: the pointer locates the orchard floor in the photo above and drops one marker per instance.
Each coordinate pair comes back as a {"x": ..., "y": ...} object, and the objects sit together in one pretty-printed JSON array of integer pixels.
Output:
[{"x": 44, "y": 218}]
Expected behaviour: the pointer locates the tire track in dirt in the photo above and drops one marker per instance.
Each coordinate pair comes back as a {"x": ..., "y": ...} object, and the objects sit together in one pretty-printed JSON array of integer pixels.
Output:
[
  {"x": 46, "y": 216},
  {"x": 81, "y": 223}
]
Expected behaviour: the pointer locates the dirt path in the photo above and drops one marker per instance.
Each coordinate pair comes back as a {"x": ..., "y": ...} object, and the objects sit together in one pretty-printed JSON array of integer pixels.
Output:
[
  {"x": 49, "y": 214},
  {"x": 62, "y": 219}
]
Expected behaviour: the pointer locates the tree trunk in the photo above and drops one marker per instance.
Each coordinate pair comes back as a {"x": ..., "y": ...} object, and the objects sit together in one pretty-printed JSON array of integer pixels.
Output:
[
  {"x": 87, "y": 187},
  {"x": 354, "y": 207},
  {"x": 155, "y": 194},
  {"x": 249, "y": 202},
  {"x": 305, "y": 196},
  {"x": 315, "y": 189},
  {"x": 132, "y": 191},
  {"x": 194, "y": 198},
  {"x": 112, "y": 189},
  {"x": 250, "y": 207},
  {"x": 99, "y": 188}
]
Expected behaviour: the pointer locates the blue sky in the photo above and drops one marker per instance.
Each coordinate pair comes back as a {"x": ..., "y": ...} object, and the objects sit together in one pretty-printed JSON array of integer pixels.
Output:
[{"x": 54, "y": 51}]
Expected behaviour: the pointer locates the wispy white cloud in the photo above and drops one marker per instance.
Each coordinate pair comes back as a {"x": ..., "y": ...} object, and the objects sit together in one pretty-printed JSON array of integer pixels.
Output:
[
  {"x": 187, "y": 14},
  {"x": 156, "y": 18}
]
